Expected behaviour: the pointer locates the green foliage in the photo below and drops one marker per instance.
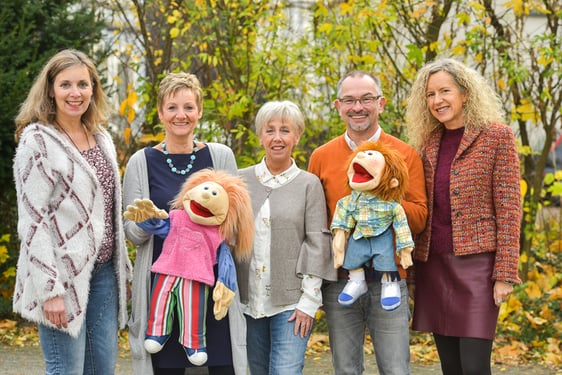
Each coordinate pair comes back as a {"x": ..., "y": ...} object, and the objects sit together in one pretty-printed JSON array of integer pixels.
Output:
[
  {"x": 529, "y": 320},
  {"x": 8, "y": 259}
]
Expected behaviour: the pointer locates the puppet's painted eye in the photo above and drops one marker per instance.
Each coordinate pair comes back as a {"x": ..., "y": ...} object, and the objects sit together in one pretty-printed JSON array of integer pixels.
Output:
[{"x": 370, "y": 153}]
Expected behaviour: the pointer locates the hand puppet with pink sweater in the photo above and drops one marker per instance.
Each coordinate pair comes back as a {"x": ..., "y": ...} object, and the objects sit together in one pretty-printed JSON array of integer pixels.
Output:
[
  {"x": 212, "y": 211},
  {"x": 362, "y": 221}
]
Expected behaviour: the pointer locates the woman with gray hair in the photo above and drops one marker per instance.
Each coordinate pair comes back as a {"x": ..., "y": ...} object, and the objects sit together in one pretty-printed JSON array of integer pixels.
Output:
[
  {"x": 280, "y": 284},
  {"x": 466, "y": 259}
]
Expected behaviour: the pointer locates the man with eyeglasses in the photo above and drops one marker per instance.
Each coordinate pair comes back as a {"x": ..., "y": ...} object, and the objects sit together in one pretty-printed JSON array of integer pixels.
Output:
[{"x": 360, "y": 102}]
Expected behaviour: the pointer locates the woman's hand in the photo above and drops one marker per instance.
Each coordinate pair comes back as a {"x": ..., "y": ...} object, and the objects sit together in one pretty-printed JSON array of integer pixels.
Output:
[
  {"x": 502, "y": 290},
  {"x": 55, "y": 312},
  {"x": 303, "y": 323}
]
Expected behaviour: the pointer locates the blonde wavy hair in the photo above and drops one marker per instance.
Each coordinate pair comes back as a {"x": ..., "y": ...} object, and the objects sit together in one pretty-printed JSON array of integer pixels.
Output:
[
  {"x": 39, "y": 105},
  {"x": 482, "y": 107},
  {"x": 238, "y": 227}
]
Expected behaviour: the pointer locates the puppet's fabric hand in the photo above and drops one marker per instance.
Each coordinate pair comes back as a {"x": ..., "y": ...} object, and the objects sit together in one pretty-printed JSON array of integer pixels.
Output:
[
  {"x": 142, "y": 210},
  {"x": 226, "y": 286},
  {"x": 223, "y": 297},
  {"x": 338, "y": 246},
  {"x": 158, "y": 227},
  {"x": 406, "y": 257}
]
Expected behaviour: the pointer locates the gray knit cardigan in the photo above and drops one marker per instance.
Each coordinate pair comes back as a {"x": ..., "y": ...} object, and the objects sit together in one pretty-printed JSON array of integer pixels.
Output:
[
  {"x": 61, "y": 224},
  {"x": 300, "y": 238}
]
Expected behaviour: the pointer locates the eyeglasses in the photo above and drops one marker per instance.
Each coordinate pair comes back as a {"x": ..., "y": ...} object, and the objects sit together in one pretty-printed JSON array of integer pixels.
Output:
[{"x": 365, "y": 101}]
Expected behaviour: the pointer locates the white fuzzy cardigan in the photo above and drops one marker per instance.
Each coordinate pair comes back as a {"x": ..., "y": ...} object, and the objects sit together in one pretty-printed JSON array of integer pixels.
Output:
[{"x": 61, "y": 225}]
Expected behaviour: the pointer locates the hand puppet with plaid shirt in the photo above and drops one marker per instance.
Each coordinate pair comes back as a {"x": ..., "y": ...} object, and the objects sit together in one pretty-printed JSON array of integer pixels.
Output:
[{"x": 370, "y": 223}]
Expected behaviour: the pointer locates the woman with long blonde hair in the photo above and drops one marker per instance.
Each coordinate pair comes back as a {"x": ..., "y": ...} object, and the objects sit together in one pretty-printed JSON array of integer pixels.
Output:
[
  {"x": 73, "y": 266},
  {"x": 466, "y": 259}
]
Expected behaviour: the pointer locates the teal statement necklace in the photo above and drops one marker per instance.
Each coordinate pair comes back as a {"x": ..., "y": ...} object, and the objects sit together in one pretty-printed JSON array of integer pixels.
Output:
[{"x": 175, "y": 170}]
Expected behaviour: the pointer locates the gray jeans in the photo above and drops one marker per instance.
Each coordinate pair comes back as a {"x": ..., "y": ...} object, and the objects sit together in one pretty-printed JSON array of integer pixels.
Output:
[{"x": 389, "y": 331}]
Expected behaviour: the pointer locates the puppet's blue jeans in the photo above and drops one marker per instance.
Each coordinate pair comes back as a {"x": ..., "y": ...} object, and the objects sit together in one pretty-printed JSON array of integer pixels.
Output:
[
  {"x": 378, "y": 248},
  {"x": 273, "y": 348},
  {"x": 389, "y": 330},
  {"x": 94, "y": 351}
]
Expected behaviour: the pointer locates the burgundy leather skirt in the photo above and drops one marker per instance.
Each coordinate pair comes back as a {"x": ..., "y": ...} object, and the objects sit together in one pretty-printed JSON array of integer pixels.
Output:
[{"x": 454, "y": 296}]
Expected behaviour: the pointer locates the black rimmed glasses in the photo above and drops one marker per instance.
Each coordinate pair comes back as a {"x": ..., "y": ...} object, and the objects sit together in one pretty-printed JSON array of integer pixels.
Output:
[{"x": 365, "y": 101}]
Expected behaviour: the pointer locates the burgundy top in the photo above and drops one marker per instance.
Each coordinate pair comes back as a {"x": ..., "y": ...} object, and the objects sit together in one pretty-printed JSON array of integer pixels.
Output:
[{"x": 441, "y": 226}]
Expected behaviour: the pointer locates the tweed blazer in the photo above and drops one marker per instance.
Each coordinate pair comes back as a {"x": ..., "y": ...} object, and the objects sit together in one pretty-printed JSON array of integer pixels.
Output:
[
  {"x": 61, "y": 225},
  {"x": 485, "y": 197}
]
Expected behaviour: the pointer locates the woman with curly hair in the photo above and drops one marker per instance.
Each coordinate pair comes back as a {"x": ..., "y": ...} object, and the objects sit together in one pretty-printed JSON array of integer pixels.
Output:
[{"x": 466, "y": 259}]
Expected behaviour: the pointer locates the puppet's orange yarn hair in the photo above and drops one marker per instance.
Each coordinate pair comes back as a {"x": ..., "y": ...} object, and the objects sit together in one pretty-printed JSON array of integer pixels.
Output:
[
  {"x": 238, "y": 227},
  {"x": 395, "y": 168}
]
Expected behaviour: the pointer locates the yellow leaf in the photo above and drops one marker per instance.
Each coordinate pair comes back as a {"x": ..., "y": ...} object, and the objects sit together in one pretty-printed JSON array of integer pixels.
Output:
[
  {"x": 527, "y": 111},
  {"x": 7, "y": 324},
  {"x": 459, "y": 50},
  {"x": 10, "y": 272},
  {"x": 555, "y": 294},
  {"x": 553, "y": 345},
  {"x": 174, "y": 32},
  {"x": 514, "y": 349},
  {"x": 131, "y": 116},
  {"x": 4, "y": 256},
  {"x": 418, "y": 12},
  {"x": 532, "y": 290},
  {"x": 544, "y": 61},
  {"x": 345, "y": 9},
  {"x": 151, "y": 138},
  {"x": 546, "y": 313},
  {"x": 123, "y": 107},
  {"x": 553, "y": 358},
  {"x": 127, "y": 135},
  {"x": 326, "y": 28},
  {"x": 535, "y": 320}
]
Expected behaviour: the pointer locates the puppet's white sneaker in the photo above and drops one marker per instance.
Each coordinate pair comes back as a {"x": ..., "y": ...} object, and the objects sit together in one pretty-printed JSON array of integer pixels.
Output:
[
  {"x": 352, "y": 291},
  {"x": 390, "y": 295},
  {"x": 153, "y": 344},
  {"x": 198, "y": 357}
]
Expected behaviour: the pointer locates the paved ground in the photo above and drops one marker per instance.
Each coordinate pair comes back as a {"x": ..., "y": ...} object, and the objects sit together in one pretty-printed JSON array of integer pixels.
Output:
[{"x": 29, "y": 361}]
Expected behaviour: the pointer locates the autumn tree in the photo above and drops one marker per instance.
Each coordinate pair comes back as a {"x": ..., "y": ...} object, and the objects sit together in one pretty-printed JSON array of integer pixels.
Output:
[
  {"x": 247, "y": 52},
  {"x": 240, "y": 50}
]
